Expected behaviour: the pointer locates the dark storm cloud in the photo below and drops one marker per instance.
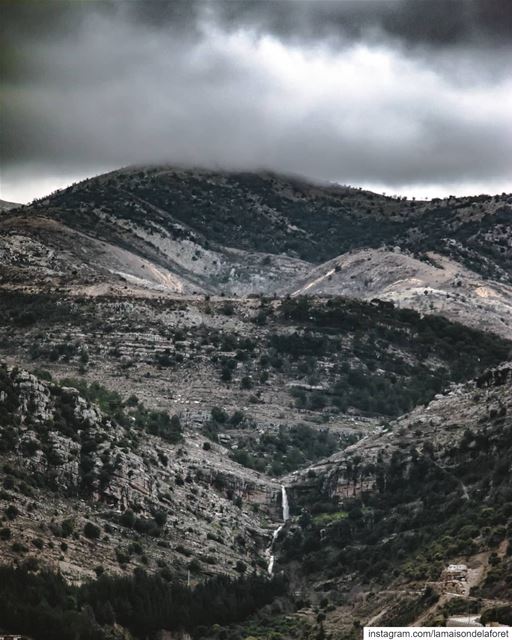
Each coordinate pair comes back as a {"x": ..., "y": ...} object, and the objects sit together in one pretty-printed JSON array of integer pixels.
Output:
[
  {"x": 431, "y": 22},
  {"x": 384, "y": 91}
]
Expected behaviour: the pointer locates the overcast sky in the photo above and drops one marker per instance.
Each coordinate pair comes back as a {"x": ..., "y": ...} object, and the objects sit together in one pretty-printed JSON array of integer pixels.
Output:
[{"x": 403, "y": 96}]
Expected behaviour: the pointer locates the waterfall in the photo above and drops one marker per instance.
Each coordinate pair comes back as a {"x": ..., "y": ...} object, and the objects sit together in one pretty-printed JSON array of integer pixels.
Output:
[
  {"x": 286, "y": 508},
  {"x": 277, "y": 532},
  {"x": 286, "y": 516}
]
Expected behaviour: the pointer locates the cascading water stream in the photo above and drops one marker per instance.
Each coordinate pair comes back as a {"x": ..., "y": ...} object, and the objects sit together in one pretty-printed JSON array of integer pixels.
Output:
[
  {"x": 286, "y": 516},
  {"x": 286, "y": 506}
]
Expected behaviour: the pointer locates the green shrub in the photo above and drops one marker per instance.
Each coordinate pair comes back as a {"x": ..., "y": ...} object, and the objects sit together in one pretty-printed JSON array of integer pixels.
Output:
[
  {"x": 5, "y": 533},
  {"x": 91, "y": 531}
]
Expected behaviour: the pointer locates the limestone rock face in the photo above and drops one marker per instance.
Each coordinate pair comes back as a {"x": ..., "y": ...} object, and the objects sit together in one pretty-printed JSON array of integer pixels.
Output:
[
  {"x": 70, "y": 462},
  {"x": 427, "y": 431}
]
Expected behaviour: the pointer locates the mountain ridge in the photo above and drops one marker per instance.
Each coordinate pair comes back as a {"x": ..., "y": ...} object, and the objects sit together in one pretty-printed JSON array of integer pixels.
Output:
[
  {"x": 180, "y": 349},
  {"x": 191, "y": 232}
]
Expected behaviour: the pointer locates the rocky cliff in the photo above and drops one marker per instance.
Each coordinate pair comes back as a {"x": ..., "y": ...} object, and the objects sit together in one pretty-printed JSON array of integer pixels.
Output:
[{"x": 83, "y": 491}]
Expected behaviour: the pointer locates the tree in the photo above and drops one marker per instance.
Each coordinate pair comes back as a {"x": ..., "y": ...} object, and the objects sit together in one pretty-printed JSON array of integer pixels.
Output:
[
  {"x": 127, "y": 519},
  {"x": 91, "y": 531},
  {"x": 240, "y": 566}
]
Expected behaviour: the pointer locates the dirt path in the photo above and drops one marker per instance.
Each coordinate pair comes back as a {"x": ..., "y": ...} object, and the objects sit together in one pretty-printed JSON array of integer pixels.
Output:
[{"x": 376, "y": 617}]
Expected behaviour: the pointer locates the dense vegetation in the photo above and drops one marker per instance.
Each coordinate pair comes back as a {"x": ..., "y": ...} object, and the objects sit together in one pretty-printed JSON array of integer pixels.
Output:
[
  {"x": 43, "y": 605},
  {"x": 288, "y": 449},
  {"x": 386, "y": 360},
  {"x": 274, "y": 452}
]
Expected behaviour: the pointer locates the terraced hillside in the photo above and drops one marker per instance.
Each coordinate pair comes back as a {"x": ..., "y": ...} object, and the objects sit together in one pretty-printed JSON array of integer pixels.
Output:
[
  {"x": 334, "y": 363},
  {"x": 184, "y": 353}
]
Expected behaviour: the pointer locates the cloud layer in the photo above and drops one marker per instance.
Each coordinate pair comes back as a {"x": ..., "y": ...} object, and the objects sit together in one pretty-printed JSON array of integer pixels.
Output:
[{"x": 388, "y": 92}]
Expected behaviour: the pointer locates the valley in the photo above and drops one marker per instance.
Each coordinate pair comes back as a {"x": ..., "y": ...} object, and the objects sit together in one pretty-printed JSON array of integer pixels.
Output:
[{"x": 292, "y": 397}]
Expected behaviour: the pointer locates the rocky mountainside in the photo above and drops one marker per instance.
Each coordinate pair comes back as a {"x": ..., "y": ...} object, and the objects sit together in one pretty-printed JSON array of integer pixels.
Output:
[
  {"x": 285, "y": 216},
  {"x": 379, "y": 525},
  {"x": 410, "y": 525},
  {"x": 87, "y": 490},
  {"x": 183, "y": 231},
  {"x": 185, "y": 354},
  {"x": 436, "y": 284},
  {"x": 328, "y": 363}
]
